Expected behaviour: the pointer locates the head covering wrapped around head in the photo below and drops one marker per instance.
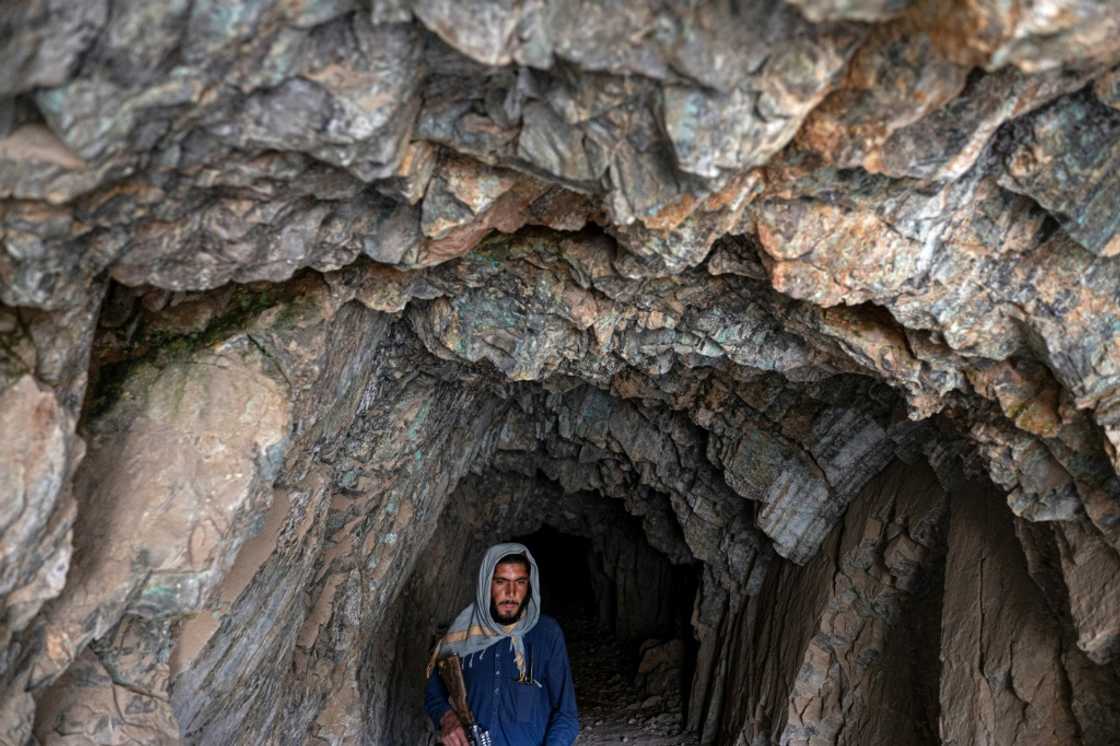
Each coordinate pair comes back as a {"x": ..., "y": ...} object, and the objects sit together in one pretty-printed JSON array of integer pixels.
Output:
[{"x": 475, "y": 629}]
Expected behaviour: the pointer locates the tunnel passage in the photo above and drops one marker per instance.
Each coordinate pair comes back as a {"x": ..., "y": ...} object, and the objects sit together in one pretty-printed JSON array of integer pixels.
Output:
[
  {"x": 835, "y": 550},
  {"x": 625, "y": 611},
  {"x": 620, "y": 602},
  {"x": 831, "y": 546},
  {"x": 915, "y": 592},
  {"x": 628, "y": 589}
]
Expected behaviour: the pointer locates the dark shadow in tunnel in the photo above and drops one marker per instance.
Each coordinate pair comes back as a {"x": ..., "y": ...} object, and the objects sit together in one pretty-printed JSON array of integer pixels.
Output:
[
  {"x": 625, "y": 611},
  {"x": 564, "y": 561}
]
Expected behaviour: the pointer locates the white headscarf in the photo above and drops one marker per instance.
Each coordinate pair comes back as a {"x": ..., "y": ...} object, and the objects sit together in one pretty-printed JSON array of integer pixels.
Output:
[{"x": 475, "y": 629}]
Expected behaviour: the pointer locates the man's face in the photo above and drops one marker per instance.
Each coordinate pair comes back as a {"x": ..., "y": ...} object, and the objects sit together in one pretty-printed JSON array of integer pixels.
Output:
[{"x": 508, "y": 590}]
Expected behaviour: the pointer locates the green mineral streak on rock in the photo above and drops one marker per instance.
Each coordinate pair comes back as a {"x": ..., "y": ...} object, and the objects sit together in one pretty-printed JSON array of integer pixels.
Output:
[
  {"x": 153, "y": 594},
  {"x": 108, "y": 386},
  {"x": 414, "y": 427},
  {"x": 12, "y": 366},
  {"x": 495, "y": 249},
  {"x": 349, "y": 479},
  {"x": 158, "y": 347}
]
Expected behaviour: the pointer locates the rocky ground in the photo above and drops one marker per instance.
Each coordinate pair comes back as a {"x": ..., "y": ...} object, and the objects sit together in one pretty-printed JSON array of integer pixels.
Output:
[{"x": 614, "y": 708}]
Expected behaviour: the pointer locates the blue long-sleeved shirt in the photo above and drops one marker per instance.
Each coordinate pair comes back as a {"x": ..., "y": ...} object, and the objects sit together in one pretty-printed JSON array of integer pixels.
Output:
[{"x": 518, "y": 714}]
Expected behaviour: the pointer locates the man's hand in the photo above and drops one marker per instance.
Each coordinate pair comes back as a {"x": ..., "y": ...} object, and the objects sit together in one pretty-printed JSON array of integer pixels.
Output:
[{"x": 451, "y": 730}]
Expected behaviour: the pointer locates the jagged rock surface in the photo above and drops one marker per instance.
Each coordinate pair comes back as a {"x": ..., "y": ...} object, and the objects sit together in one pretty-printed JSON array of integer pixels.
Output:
[{"x": 302, "y": 304}]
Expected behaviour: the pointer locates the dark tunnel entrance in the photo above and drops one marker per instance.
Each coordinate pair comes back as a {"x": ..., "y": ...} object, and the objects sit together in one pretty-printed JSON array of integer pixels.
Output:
[
  {"x": 625, "y": 607},
  {"x": 564, "y": 561},
  {"x": 625, "y": 612}
]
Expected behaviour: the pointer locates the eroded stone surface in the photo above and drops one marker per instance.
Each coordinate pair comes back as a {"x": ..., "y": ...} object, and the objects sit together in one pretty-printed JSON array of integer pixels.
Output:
[
  {"x": 155, "y": 536},
  {"x": 321, "y": 282},
  {"x": 38, "y": 510},
  {"x": 830, "y": 648},
  {"x": 997, "y": 684}
]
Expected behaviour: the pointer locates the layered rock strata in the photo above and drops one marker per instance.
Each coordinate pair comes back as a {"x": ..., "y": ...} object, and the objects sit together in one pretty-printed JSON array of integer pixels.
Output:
[{"x": 301, "y": 303}]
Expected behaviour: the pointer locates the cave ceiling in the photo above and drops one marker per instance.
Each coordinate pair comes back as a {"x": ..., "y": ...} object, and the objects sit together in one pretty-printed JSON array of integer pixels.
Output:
[{"x": 314, "y": 271}]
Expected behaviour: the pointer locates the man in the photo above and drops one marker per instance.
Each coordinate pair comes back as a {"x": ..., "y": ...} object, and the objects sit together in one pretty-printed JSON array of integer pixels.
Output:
[{"x": 515, "y": 663}]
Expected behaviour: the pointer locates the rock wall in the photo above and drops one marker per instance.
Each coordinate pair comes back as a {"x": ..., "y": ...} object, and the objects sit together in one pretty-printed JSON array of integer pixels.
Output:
[
  {"x": 842, "y": 649},
  {"x": 300, "y": 303}
]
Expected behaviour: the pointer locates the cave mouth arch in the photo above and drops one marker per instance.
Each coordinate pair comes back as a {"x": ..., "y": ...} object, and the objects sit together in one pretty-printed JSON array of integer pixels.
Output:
[{"x": 780, "y": 494}]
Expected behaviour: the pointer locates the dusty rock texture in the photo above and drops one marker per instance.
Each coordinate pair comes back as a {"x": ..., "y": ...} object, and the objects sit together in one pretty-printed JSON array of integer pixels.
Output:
[{"x": 813, "y": 302}]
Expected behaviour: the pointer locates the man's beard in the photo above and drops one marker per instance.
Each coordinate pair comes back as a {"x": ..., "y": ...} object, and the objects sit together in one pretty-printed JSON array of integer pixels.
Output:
[{"x": 506, "y": 619}]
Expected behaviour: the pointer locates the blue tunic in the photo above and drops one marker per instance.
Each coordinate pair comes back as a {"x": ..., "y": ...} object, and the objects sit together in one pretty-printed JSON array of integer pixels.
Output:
[{"x": 518, "y": 714}]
